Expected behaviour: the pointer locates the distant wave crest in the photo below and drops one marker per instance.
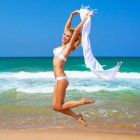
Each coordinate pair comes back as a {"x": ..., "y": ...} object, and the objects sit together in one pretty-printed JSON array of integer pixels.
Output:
[{"x": 71, "y": 74}]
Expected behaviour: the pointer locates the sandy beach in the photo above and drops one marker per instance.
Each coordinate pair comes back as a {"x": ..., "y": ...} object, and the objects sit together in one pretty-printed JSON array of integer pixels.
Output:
[{"x": 62, "y": 134}]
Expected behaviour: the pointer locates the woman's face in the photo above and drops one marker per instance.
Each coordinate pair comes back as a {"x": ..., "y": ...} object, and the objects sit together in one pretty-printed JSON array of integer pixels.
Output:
[{"x": 66, "y": 37}]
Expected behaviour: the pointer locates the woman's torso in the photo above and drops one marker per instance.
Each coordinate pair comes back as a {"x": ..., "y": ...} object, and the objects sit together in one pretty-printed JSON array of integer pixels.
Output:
[{"x": 58, "y": 63}]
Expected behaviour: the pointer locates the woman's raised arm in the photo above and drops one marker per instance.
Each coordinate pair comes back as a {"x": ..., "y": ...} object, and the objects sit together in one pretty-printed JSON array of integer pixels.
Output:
[
  {"x": 78, "y": 29},
  {"x": 68, "y": 24}
]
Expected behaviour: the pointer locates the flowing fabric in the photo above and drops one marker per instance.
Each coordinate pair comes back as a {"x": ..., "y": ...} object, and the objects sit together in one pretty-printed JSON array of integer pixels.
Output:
[{"x": 90, "y": 60}]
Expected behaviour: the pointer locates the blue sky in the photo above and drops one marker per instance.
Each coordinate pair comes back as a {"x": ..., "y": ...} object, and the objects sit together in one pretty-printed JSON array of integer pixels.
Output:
[{"x": 35, "y": 27}]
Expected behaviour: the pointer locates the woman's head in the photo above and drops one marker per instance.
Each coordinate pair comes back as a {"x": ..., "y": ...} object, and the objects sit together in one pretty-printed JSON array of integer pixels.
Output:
[{"x": 67, "y": 37}]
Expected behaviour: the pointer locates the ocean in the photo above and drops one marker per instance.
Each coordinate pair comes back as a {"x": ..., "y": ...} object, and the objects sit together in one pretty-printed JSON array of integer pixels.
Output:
[{"x": 26, "y": 91}]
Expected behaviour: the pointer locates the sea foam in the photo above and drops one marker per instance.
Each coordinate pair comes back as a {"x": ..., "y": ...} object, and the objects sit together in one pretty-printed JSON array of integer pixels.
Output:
[
  {"x": 80, "y": 88},
  {"x": 70, "y": 74}
]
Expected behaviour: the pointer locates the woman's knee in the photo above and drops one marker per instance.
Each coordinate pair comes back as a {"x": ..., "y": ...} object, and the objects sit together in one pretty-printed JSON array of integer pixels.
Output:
[{"x": 57, "y": 107}]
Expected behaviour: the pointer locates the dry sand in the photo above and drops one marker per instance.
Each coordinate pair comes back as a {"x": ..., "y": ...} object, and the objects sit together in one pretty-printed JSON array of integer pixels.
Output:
[{"x": 60, "y": 134}]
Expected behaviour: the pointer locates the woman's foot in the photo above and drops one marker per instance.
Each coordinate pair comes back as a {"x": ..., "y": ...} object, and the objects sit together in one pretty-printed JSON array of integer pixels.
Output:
[
  {"x": 86, "y": 101},
  {"x": 80, "y": 119}
]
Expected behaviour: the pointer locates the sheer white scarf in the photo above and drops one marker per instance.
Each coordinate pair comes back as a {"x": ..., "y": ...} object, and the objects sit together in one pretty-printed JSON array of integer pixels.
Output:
[{"x": 90, "y": 60}]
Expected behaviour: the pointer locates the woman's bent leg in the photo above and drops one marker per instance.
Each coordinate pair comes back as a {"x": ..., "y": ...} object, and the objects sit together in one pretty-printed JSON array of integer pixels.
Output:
[
  {"x": 77, "y": 117},
  {"x": 59, "y": 95},
  {"x": 56, "y": 97},
  {"x": 72, "y": 104},
  {"x": 70, "y": 113}
]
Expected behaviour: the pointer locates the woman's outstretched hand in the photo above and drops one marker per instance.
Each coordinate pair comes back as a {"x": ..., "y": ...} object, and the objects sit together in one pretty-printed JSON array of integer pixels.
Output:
[
  {"x": 88, "y": 14},
  {"x": 75, "y": 12},
  {"x": 91, "y": 14}
]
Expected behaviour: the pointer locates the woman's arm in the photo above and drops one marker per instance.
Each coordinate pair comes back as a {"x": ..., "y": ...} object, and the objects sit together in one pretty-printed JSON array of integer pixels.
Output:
[
  {"x": 78, "y": 29},
  {"x": 68, "y": 24}
]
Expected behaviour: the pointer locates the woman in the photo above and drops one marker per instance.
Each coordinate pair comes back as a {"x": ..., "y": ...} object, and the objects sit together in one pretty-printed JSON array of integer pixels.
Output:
[{"x": 71, "y": 39}]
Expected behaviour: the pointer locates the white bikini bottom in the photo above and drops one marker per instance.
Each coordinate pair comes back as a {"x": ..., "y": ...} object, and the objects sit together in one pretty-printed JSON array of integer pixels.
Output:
[{"x": 62, "y": 77}]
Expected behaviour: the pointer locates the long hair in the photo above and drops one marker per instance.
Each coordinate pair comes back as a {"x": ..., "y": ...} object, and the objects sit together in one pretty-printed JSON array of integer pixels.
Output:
[{"x": 78, "y": 39}]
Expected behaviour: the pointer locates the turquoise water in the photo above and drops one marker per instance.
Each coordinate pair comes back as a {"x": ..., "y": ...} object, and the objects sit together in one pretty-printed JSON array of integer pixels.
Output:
[
  {"x": 26, "y": 89},
  {"x": 37, "y": 64}
]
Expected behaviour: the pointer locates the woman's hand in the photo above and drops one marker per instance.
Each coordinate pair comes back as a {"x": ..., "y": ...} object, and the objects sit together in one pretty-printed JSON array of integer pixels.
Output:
[
  {"x": 88, "y": 14},
  {"x": 75, "y": 12},
  {"x": 91, "y": 14}
]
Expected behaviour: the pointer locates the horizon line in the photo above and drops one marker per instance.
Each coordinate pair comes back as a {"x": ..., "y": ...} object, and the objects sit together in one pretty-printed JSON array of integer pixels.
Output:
[{"x": 53, "y": 56}]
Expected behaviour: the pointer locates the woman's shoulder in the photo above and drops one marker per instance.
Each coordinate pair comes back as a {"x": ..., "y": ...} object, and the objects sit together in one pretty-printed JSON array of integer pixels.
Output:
[{"x": 65, "y": 46}]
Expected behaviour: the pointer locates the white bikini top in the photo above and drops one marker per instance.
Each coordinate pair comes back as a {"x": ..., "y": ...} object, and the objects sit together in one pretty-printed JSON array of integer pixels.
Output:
[{"x": 58, "y": 52}]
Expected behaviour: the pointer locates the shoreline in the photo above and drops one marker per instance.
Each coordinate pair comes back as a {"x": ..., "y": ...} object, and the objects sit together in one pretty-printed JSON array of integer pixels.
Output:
[{"x": 58, "y": 133}]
